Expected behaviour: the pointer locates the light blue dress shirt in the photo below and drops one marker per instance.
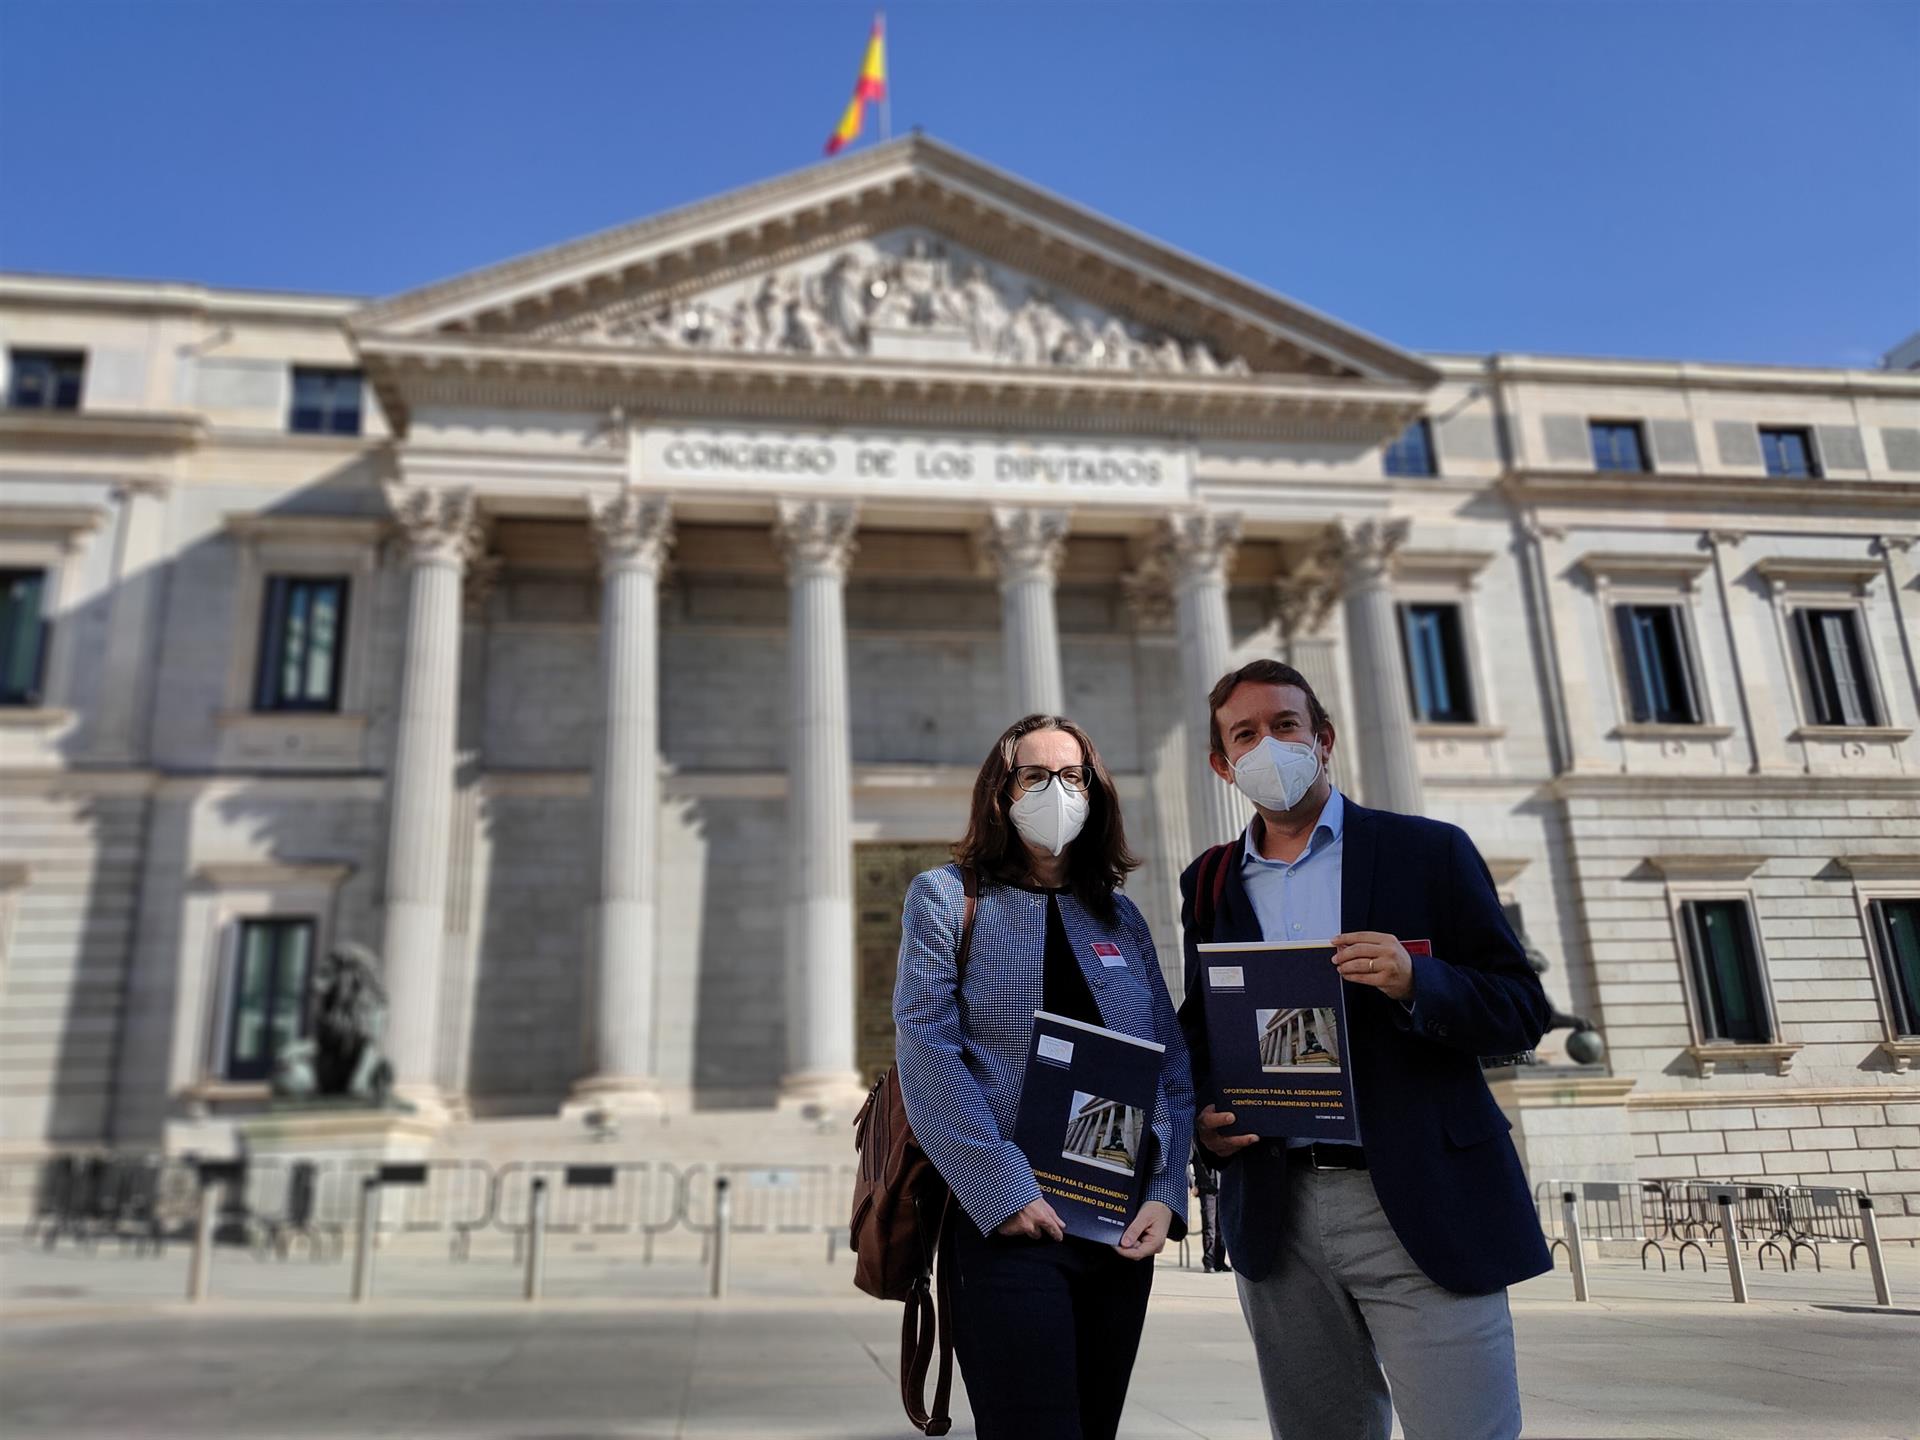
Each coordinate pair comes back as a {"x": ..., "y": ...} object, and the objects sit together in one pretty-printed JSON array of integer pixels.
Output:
[{"x": 1299, "y": 900}]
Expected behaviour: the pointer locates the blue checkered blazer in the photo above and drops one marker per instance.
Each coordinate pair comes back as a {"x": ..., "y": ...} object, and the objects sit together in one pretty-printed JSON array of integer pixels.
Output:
[{"x": 962, "y": 1057}]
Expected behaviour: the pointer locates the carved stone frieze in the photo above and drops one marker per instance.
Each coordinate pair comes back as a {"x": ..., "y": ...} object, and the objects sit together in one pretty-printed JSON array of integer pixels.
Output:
[{"x": 901, "y": 289}]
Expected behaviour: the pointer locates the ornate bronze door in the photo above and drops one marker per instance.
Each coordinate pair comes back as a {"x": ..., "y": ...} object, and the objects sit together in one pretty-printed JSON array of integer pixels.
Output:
[{"x": 881, "y": 874}]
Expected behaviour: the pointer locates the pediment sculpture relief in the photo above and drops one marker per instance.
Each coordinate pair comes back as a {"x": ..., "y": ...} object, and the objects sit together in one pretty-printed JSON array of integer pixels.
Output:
[{"x": 863, "y": 298}]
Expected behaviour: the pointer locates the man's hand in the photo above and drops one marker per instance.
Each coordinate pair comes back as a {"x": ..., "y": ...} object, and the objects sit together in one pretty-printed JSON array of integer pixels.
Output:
[
  {"x": 1034, "y": 1220},
  {"x": 1212, "y": 1122},
  {"x": 1148, "y": 1232},
  {"x": 1367, "y": 957}
]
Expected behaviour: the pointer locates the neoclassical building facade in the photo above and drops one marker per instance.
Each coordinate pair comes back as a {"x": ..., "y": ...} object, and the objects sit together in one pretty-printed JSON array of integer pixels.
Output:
[{"x": 604, "y": 637}]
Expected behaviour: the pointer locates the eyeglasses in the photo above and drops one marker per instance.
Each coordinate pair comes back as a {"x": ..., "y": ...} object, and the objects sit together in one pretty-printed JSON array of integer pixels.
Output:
[{"x": 1037, "y": 777}]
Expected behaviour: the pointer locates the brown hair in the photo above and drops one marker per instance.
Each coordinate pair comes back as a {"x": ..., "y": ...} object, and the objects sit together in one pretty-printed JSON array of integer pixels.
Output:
[
  {"x": 1261, "y": 672},
  {"x": 1097, "y": 861}
]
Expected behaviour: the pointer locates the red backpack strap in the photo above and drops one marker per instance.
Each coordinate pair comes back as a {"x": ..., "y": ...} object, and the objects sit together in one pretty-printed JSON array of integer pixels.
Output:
[{"x": 1209, "y": 884}]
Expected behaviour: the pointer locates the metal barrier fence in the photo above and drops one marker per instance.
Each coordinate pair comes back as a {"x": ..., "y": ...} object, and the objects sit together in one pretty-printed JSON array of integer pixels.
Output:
[
  {"x": 284, "y": 1206},
  {"x": 772, "y": 1200},
  {"x": 639, "y": 1198}
]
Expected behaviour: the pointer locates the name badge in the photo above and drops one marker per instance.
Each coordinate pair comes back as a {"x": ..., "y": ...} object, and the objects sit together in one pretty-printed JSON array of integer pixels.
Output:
[{"x": 1110, "y": 955}]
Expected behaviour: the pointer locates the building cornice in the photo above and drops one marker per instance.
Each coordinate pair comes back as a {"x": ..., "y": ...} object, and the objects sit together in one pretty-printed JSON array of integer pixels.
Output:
[
  {"x": 1771, "y": 787},
  {"x": 1677, "y": 495},
  {"x": 124, "y": 432},
  {"x": 183, "y": 298},
  {"x": 503, "y": 372},
  {"x": 1689, "y": 375}
]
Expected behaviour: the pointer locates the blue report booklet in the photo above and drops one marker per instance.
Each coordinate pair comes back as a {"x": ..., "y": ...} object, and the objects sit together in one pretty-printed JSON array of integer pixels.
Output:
[
  {"x": 1277, "y": 1028},
  {"x": 1085, "y": 1122}
]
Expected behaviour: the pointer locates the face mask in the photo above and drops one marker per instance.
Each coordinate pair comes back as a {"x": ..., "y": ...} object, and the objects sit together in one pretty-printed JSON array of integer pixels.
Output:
[
  {"x": 1277, "y": 774},
  {"x": 1049, "y": 818}
]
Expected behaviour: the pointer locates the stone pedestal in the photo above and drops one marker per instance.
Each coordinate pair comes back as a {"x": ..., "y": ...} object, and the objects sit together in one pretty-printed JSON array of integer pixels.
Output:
[{"x": 1569, "y": 1122}]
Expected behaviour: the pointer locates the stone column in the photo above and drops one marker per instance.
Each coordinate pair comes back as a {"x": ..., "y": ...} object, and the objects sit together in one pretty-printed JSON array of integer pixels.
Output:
[
  {"x": 1026, "y": 546},
  {"x": 1384, "y": 723},
  {"x": 633, "y": 531},
  {"x": 816, "y": 538},
  {"x": 440, "y": 534},
  {"x": 1198, "y": 548},
  {"x": 1302, "y": 601},
  {"x": 123, "y": 708}
]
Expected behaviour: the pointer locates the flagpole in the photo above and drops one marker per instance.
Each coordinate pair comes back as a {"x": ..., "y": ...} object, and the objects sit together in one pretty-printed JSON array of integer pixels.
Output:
[{"x": 886, "y": 96}]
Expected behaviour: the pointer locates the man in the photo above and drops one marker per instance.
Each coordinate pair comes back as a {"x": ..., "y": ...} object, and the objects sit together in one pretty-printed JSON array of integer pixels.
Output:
[{"x": 1396, "y": 1252}]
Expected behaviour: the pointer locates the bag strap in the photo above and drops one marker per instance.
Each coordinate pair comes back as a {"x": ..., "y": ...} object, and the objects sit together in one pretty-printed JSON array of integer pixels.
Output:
[
  {"x": 928, "y": 1322},
  {"x": 1208, "y": 886}
]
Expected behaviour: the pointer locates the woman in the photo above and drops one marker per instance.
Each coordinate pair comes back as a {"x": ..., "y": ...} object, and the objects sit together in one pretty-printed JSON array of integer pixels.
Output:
[{"x": 1046, "y": 1325}]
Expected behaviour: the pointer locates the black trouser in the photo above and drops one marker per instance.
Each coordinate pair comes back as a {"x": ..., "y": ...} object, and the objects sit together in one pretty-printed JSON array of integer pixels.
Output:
[
  {"x": 1213, "y": 1245},
  {"x": 1046, "y": 1332}
]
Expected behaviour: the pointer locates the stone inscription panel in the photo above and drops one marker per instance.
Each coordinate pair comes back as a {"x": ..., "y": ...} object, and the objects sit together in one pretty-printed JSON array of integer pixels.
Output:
[{"x": 852, "y": 463}]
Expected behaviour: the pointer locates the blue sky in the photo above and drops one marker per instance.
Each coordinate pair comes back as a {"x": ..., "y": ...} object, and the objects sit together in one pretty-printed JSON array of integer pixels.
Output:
[{"x": 1701, "y": 179}]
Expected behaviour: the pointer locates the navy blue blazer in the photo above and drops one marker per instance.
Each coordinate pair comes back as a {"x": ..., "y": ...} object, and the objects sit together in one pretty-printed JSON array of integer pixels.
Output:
[{"x": 1437, "y": 1145}]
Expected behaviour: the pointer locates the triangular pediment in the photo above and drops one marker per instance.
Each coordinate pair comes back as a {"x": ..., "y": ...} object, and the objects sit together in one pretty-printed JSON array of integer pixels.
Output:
[{"x": 906, "y": 251}]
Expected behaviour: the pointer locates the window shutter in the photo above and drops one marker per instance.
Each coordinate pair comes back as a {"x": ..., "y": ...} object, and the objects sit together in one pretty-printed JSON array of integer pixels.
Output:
[
  {"x": 1842, "y": 637},
  {"x": 1633, "y": 656},
  {"x": 1903, "y": 448},
  {"x": 1840, "y": 448},
  {"x": 1566, "y": 437},
  {"x": 1739, "y": 443},
  {"x": 1683, "y": 664},
  {"x": 1672, "y": 443},
  {"x": 1819, "y": 683}
]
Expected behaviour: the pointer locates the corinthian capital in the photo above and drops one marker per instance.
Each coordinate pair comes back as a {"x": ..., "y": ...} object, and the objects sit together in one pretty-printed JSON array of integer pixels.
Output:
[
  {"x": 437, "y": 526},
  {"x": 1199, "y": 545},
  {"x": 1302, "y": 597},
  {"x": 1027, "y": 543},
  {"x": 816, "y": 536},
  {"x": 1366, "y": 549},
  {"x": 632, "y": 528}
]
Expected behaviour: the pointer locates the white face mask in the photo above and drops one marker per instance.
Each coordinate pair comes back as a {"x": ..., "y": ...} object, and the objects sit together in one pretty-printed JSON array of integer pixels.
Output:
[
  {"x": 1050, "y": 818},
  {"x": 1277, "y": 774}
]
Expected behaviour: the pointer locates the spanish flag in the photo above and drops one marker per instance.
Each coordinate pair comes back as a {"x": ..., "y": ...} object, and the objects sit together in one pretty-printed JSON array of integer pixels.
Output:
[{"x": 872, "y": 85}]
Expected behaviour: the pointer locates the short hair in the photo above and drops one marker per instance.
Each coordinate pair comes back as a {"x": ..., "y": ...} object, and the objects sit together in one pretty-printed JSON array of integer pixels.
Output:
[{"x": 1261, "y": 672}]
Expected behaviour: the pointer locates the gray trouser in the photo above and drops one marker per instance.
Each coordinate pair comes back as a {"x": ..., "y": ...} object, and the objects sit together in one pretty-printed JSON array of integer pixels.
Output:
[{"x": 1343, "y": 1300}]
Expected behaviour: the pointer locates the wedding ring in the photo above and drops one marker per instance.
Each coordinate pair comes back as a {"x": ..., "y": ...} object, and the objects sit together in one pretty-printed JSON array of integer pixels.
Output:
[{"x": 1369, "y": 967}]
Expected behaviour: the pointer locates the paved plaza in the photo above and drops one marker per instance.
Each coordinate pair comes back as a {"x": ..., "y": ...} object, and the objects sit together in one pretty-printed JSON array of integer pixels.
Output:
[{"x": 102, "y": 1345}]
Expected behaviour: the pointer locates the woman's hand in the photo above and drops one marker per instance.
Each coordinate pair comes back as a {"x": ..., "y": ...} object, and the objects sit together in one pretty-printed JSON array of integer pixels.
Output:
[
  {"x": 1147, "y": 1235},
  {"x": 1035, "y": 1220}
]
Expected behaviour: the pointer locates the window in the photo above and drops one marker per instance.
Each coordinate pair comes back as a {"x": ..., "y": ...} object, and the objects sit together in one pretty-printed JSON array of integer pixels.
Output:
[
  {"x": 1834, "y": 660},
  {"x": 326, "y": 402},
  {"x": 1896, "y": 935},
  {"x": 1789, "y": 452},
  {"x": 271, "y": 974},
  {"x": 1617, "y": 445},
  {"x": 1653, "y": 650},
  {"x": 1726, "y": 972},
  {"x": 23, "y": 631},
  {"x": 302, "y": 637},
  {"x": 1412, "y": 453},
  {"x": 45, "y": 379},
  {"x": 1436, "y": 661}
]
